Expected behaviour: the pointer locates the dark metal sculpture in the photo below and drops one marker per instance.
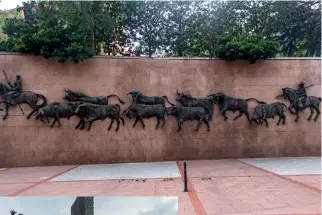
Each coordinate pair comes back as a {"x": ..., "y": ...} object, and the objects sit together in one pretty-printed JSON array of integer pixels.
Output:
[
  {"x": 140, "y": 111},
  {"x": 94, "y": 112},
  {"x": 139, "y": 98},
  {"x": 58, "y": 110},
  {"x": 78, "y": 96},
  {"x": 264, "y": 111},
  {"x": 16, "y": 87},
  {"x": 189, "y": 113},
  {"x": 189, "y": 101},
  {"x": 227, "y": 103},
  {"x": 14, "y": 96},
  {"x": 299, "y": 101}
]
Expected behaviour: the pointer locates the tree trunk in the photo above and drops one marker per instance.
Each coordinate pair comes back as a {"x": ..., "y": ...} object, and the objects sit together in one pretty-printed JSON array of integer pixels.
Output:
[
  {"x": 92, "y": 38},
  {"x": 92, "y": 27},
  {"x": 310, "y": 48}
]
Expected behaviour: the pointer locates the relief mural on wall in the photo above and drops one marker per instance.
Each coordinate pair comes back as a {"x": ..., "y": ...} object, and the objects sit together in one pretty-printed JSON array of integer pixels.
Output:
[
  {"x": 12, "y": 94},
  {"x": 91, "y": 108}
]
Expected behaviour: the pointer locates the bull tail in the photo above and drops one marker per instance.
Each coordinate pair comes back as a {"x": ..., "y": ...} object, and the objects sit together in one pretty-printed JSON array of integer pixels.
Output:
[
  {"x": 113, "y": 95},
  {"x": 165, "y": 109},
  {"x": 260, "y": 102},
  {"x": 42, "y": 104},
  {"x": 166, "y": 98}
]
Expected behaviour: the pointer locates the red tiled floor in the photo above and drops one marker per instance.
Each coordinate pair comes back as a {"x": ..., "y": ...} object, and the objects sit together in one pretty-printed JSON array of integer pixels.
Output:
[
  {"x": 212, "y": 168},
  {"x": 223, "y": 187},
  {"x": 255, "y": 195},
  {"x": 30, "y": 174},
  {"x": 311, "y": 180},
  {"x": 7, "y": 189}
]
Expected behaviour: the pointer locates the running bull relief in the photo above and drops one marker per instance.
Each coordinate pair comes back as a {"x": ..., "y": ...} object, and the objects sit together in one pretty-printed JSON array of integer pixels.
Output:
[{"x": 91, "y": 108}]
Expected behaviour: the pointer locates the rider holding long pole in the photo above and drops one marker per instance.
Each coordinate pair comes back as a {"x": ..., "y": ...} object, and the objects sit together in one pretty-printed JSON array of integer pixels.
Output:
[{"x": 16, "y": 87}]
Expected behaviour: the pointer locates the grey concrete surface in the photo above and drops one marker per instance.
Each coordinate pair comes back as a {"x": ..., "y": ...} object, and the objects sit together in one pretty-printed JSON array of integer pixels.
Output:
[
  {"x": 121, "y": 171},
  {"x": 288, "y": 165}
]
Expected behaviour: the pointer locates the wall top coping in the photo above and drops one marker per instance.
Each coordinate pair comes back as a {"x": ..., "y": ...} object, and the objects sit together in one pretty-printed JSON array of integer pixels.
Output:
[{"x": 174, "y": 58}]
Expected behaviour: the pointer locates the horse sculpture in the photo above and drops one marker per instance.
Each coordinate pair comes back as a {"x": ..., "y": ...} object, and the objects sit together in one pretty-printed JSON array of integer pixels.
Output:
[
  {"x": 25, "y": 97},
  {"x": 299, "y": 103}
]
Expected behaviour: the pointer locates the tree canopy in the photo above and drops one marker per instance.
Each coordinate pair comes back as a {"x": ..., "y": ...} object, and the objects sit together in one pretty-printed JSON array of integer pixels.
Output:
[{"x": 230, "y": 30}]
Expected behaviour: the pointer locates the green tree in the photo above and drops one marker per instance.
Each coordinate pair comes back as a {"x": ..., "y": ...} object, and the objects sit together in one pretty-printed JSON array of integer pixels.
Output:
[
  {"x": 298, "y": 26},
  {"x": 247, "y": 47},
  {"x": 110, "y": 24},
  {"x": 146, "y": 25},
  {"x": 177, "y": 20}
]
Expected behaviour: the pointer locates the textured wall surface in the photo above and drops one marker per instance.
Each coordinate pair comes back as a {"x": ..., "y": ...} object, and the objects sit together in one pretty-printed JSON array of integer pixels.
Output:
[{"x": 32, "y": 143}]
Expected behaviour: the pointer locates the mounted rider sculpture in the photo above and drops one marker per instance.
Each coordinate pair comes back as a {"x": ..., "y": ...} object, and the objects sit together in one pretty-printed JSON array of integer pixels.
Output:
[
  {"x": 12, "y": 95},
  {"x": 299, "y": 101},
  {"x": 15, "y": 90}
]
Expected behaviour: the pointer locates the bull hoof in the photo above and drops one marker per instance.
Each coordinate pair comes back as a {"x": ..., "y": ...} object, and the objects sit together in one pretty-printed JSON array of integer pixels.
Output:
[
  {"x": 309, "y": 118},
  {"x": 4, "y": 117},
  {"x": 296, "y": 120},
  {"x": 51, "y": 126}
]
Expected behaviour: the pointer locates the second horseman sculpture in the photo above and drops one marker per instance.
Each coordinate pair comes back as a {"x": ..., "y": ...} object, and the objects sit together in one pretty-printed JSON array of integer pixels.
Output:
[{"x": 300, "y": 101}]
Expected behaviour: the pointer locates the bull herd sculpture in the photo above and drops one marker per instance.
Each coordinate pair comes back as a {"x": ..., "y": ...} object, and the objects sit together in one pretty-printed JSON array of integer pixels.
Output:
[{"x": 89, "y": 109}]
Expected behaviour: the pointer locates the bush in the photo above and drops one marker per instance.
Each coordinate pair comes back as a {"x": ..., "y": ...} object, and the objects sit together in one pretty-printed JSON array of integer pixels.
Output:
[{"x": 249, "y": 48}]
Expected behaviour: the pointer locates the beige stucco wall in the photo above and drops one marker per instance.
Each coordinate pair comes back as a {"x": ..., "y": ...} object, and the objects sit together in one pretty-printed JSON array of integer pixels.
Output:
[{"x": 32, "y": 143}]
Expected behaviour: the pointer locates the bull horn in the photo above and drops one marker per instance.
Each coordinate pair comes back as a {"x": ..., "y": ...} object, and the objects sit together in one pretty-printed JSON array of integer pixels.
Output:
[
  {"x": 66, "y": 90},
  {"x": 129, "y": 93},
  {"x": 178, "y": 93}
]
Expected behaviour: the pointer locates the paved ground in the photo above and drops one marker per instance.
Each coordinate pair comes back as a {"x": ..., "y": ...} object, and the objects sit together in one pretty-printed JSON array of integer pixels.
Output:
[
  {"x": 111, "y": 205},
  {"x": 226, "y": 187}
]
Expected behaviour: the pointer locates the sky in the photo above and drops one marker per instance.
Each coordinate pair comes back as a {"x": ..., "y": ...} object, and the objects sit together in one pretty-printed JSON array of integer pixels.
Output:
[
  {"x": 10, "y": 4},
  {"x": 102, "y": 205}
]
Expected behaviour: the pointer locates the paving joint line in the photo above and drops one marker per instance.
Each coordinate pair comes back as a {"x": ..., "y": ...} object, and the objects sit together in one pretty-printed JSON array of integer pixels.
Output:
[
  {"x": 41, "y": 182},
  {"x": 228, "y": 176},
  {"x": 283, "y": 177},
  {"x": 21, "y": 182},
  {"x": 114, "y": 179},
  {"x": 195, "y": 201}
]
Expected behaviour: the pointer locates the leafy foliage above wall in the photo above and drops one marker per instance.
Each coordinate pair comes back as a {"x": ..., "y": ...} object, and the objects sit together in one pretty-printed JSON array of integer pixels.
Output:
[
  {"x": 249, "y": 48},
  {"x": 77, "y": 30}
]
